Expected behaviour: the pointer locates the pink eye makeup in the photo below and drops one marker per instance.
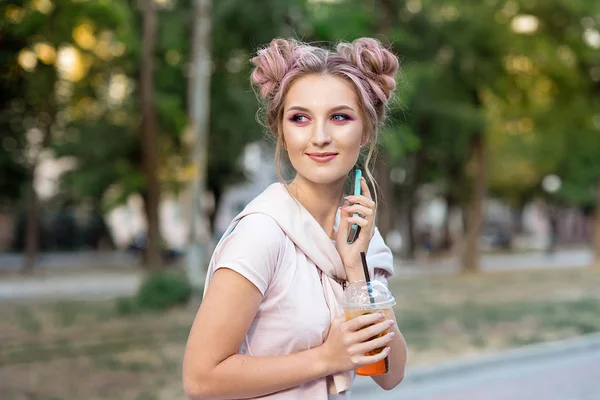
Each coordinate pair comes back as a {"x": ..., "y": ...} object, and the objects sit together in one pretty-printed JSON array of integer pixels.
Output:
[
  {"x": 341, "y": 118},
  {"x": 303, "y": 119},
  {"x": 299, "y": 119}
]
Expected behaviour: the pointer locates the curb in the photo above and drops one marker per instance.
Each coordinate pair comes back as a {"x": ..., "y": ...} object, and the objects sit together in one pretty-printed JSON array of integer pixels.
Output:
[{"x": 445, "y": 370}]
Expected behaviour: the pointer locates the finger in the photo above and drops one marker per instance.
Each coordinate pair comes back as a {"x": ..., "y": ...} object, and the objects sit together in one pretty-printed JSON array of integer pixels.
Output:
[
  {"x": 365, "y": 201},
  {"x": 366, "y": 360},
  {"x": 359, "y": 208},
  {"x": 345, "y": 213},
  {"x": 363, "y": 223},
  {"x": 343, "y": 227},
  {"x": 372, "y": 345},
  {"x": 357, "y": 323},
  {"x": 365, "y": 334},
  {"x": 365, "y": 189}
]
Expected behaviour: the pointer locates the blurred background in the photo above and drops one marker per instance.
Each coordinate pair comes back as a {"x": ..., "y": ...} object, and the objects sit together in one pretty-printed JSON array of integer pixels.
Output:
[{"x": 128, "y": 142}]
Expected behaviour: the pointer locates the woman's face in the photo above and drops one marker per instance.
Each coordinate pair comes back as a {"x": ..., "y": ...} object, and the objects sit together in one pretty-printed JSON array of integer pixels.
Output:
[{"x": 323, "y": 128}]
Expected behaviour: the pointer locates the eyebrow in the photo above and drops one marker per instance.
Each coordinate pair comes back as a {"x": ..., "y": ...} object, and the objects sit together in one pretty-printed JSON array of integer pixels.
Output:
[{"x": 337, "y": 108}]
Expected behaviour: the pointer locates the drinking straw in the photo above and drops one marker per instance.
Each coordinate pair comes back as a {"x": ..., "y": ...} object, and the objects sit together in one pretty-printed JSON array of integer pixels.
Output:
[{"x": 367, "y": 277}]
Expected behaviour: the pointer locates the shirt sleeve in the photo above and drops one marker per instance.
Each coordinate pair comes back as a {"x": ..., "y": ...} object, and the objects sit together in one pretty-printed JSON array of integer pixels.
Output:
[
  {"x": 380, "y": 258},
  {"x": 252, "y": 250}
]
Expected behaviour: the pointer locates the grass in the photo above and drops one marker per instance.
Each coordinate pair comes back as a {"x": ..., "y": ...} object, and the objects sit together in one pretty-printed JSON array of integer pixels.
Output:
[
  {"x": 450, "y": 316},
  {"x": 76, "y": 350}
]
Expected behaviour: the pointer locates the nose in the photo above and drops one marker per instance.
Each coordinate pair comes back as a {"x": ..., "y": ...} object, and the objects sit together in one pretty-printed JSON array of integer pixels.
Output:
[{"x": 320, "y": 135}]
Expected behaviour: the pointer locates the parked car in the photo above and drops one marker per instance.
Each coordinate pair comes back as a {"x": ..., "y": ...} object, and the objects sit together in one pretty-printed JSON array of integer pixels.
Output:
[{"x": 496, "y": 236}]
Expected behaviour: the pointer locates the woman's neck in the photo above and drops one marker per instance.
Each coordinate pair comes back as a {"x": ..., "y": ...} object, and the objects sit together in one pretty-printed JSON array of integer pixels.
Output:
[{"x": 321, "y": 201}]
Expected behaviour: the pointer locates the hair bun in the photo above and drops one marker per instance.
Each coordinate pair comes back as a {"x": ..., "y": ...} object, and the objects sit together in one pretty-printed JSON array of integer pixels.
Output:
[
  {"x": 378, "y": 63},
  {"x": 271, "y": 65}
]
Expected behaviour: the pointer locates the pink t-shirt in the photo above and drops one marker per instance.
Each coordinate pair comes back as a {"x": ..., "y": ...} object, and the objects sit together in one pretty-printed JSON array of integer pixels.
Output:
[{"x": 293, "y": 315}]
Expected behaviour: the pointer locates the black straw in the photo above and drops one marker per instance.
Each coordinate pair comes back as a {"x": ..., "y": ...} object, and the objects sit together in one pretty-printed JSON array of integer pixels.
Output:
[{"x": 367, "y": 277}]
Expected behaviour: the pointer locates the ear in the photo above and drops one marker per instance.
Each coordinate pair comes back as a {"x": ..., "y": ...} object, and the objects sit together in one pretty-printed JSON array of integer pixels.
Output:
[{"x": 365, "y": 140}]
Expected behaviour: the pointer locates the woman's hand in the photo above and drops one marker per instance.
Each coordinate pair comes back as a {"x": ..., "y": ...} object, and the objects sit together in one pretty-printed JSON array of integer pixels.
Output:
[
  {"x": 350, "y": 252},
  {"x": 348, "y": 342}
]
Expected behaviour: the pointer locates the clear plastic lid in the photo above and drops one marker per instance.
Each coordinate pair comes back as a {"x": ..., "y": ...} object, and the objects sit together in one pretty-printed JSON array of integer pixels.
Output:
[{"x": 359, "y": 295}]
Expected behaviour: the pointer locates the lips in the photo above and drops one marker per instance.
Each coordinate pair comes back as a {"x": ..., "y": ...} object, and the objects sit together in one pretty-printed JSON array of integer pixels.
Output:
[{"x": 322, "y": 157}]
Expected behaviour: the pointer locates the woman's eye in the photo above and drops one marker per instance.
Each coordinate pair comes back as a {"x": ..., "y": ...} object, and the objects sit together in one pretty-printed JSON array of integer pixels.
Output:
[
  {"x": 340, "y": 117},
  {"x": 299, "y": 118}
]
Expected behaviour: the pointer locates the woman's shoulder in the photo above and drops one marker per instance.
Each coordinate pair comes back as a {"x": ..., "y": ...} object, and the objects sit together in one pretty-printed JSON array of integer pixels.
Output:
[
  {"x": 255, "y": 235},
  {"x": 253, "y": 249},
  {"x": 259, "y": 226}
]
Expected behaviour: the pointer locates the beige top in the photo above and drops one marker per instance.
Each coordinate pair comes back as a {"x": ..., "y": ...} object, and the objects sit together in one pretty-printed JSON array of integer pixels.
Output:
[{"x": 279, "y": 255}]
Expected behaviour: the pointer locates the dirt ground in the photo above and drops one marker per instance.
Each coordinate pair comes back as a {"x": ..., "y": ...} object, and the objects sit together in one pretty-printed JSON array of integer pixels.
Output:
[{"x": 87, "y": 350}]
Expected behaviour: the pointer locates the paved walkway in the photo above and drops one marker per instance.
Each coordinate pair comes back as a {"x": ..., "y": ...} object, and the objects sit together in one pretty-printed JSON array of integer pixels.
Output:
[
  {"x": 84, "y": 260},
  {"x": 87, "y": 286},
  {"x": 568, "y": 370},
  {"x": 125, "y": 279},
  {"x": 572, "y": 258},
  {"x": 92, "y": 259}
]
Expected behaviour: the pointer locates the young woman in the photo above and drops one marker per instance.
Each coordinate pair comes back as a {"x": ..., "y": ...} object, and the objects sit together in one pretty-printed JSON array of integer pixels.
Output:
[{"x": 270, "y": 325}]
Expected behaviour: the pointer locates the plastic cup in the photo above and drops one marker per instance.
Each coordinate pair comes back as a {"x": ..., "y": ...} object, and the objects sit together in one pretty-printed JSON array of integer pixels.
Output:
[{"x": 359, "y": 300}]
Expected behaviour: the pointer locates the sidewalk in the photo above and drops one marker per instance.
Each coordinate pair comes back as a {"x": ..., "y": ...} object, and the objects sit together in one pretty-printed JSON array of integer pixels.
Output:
[
  {"x": 571, "y": 258},
  {"x": 124, "y": 281},
  {"x": 515, "y": 374},
  {"x": 75, "y": 287}
]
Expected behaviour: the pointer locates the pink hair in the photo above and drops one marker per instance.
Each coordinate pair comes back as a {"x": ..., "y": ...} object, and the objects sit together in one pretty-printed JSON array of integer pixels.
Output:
[{"x": 365, "y": 63}]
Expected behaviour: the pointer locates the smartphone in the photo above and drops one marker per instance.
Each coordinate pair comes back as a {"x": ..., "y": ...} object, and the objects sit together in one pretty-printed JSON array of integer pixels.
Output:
[{"x": 355, "y": 229}]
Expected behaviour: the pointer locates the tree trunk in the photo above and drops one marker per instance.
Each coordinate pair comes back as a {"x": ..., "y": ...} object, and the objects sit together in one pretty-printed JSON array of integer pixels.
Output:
[
  {"x": 447, "y": 236},
  {"x": 419, "y": 163},
  {"x": 32, "y": 228},
  {"x": 218, "y": 194},
  {"x": 596, "y": 229},
  {"x": 199, "y": 125},
  {"x": 412, "y": 239},
  {"x": 475, "y": 218},
  {"x": 385, "y": 206},
  {"x": 518, "y": 212},
  {"x": 148, "y": 136},
  {"x": 388, "y": 16}
]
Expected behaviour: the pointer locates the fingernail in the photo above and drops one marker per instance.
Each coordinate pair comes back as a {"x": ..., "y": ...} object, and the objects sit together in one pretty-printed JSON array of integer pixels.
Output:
[
  {"x": 392, "y": 334},
  {"x": 380, "y": 316},
  {"x": 391, "y": 322}
]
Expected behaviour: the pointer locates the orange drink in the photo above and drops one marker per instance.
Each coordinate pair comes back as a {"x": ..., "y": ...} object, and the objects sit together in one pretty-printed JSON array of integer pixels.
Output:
[
  {"x": 362, "y": 298},
  {"x": 380, "y": 367}
]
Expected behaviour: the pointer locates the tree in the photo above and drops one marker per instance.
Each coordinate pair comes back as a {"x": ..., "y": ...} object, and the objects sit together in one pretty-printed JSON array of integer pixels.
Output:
[
  {"x": 115, "y": 147},
  {"x": 148, "y": 138},
  {"x": 199, "y": 106},
  {"x": 546, "y": 123},
  {"x": 13, "y": 139},
  {"x": 233, "y": 111},
  {"x": 43, "y": 31}
]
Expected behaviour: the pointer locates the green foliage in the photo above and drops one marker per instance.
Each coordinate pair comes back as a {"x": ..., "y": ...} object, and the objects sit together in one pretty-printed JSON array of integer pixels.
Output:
[
  {"x": 163, "y": 290},
  {"x": 159, "y": 291},
  {"x": 465, "y": 72},
  {"x": 233, "y": 104}
]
